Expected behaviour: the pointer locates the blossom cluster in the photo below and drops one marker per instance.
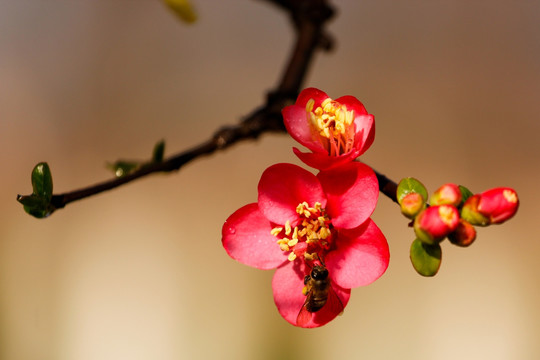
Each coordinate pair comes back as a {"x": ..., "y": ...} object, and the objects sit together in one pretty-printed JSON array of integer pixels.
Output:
[
  {"x": 452, "y": 212},
  {"x": 315, "y": 229}
]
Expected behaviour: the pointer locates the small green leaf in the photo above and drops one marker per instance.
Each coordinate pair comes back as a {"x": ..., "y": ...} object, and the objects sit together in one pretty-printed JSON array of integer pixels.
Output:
[
  {"x": 36, "y": 205},
  {"x": 426, "y": 259},
  {"x": 159, "y": 151},
  {"x": 183, "y": 9},
  {"x": 42, "y": 184},
  {"x": 410, "y": 185},
  {"x": 465, "y": 193}
]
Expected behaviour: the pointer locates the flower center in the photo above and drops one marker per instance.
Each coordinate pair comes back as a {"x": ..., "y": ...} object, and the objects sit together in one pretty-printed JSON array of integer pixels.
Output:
[
  {"x": 307, "y": 239},
  {"x": 333, "y": 124}
]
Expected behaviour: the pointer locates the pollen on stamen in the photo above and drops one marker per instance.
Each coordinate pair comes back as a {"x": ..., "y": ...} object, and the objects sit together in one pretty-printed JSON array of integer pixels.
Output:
[
  {"x": 326, "y": 104},
  {"x": 288, "y": 228},
  {"x": 324, "y": 233},
  {"x": 309, "y": 105},
  {"x": 275, "y": 231},
  {"x": 292, "y": 242},
  {"x": 291, "y": 256},
  {"x": 310, "y": 256}
]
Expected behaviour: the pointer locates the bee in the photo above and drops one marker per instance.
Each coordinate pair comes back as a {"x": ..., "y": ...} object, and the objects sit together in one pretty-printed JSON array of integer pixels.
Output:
[{"x": 319, "y": 293}]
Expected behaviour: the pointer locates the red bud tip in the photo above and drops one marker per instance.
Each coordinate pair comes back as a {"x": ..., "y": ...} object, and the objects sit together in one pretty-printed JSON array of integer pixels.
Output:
[
  {"x": 448, "y": 194},
  {"x": 412, "y": 204}
]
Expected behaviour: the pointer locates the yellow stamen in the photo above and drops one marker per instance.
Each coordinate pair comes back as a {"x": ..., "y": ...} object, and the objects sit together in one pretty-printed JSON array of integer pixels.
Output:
[
  {"x": 288, "y": 228},
  {"x": 314, "y": 229},
  {"x": 334, "y": 125}
]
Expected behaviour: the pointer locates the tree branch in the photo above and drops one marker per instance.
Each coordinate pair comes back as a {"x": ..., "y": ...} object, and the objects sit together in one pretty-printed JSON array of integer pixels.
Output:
[{"x": 308, "y": 18}]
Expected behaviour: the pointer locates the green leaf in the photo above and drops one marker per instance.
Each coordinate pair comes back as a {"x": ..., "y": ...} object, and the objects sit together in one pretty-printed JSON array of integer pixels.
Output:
[
  {"x": 36, "y": 205},
  {"x": 426, "y": 259},
  {"x": 42, "y": 184},
  {"x": 183, "y": 9},
  {"x": 465, "y": 193},
  {"x": 410, "y": 185},
  {"x": 159, "y": 151}
]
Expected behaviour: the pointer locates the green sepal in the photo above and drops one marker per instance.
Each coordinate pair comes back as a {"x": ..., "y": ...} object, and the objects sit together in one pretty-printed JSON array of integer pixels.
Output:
[
  {"x": 465, "y": 194},
  {"x": 410, "y": 185},
  {"x": 426, "y": 259},
  {"x": 42, "y": 184},
  {"x": 159, "y": 151},
  {"x": 123, "y": 167}
]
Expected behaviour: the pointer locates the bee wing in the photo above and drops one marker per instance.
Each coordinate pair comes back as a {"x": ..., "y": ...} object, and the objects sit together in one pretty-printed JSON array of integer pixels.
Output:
[
  {"x": 333, "y": 302},
  {"x": 304, "y": 317}
]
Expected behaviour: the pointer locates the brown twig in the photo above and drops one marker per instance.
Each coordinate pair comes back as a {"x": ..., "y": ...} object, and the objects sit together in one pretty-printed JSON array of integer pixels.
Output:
[{"x": 308, "y": 18}]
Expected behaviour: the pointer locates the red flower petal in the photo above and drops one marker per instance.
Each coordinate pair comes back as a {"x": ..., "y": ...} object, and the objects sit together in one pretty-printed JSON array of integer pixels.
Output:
[
  {"x": 298, "y": 126},
  {"x": 287, "y": 285},
  {"x": 296, "y": 120},
  {"x": 365, "y": 132},
  {"x": 361, "y": 256},
  {"x": 311, "y": 93},
  {"x": 323, "y": 161},
  {"x": 352, "y": 103},
  {"x": 364, "y": 123},
  {"x": 283, "y": 187},
  {"x": 246, "y": 237},
  {"x": 352, "y": 191}
]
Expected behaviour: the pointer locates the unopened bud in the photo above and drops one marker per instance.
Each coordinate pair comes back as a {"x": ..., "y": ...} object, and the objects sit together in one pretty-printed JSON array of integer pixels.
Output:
[
  {"x": 412, "y": 204},
  {"x": 498, "y": 204},
  {"x": 464, "y": 235},
  {"x": 434, "y": 223},
  {"x": 448, "y": 194}
]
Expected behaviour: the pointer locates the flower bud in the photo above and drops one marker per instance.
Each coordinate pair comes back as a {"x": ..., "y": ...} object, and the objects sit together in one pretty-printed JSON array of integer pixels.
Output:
[
  {"x": 434, "y": 223},
  {"x": 448, "y": 194},
  {"x": 498, "y": 204},
  {"x": 412, "y": 204},
  {"x": 471, "y": 214},
  {"x": 464, "y": 235}
]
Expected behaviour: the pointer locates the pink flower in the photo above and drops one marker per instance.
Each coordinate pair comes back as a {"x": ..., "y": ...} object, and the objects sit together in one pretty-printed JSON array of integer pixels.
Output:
[
  {"x": 302, "y": 222},
  {"x": 336, "y": 131}
]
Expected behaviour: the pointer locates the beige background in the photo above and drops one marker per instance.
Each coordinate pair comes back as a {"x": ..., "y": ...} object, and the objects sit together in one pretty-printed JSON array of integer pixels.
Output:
[{"x": 139, "y": 272}]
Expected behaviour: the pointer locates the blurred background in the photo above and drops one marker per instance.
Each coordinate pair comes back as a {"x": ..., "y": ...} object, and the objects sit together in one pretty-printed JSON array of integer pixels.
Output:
[{"x": 139, "y": 272}]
